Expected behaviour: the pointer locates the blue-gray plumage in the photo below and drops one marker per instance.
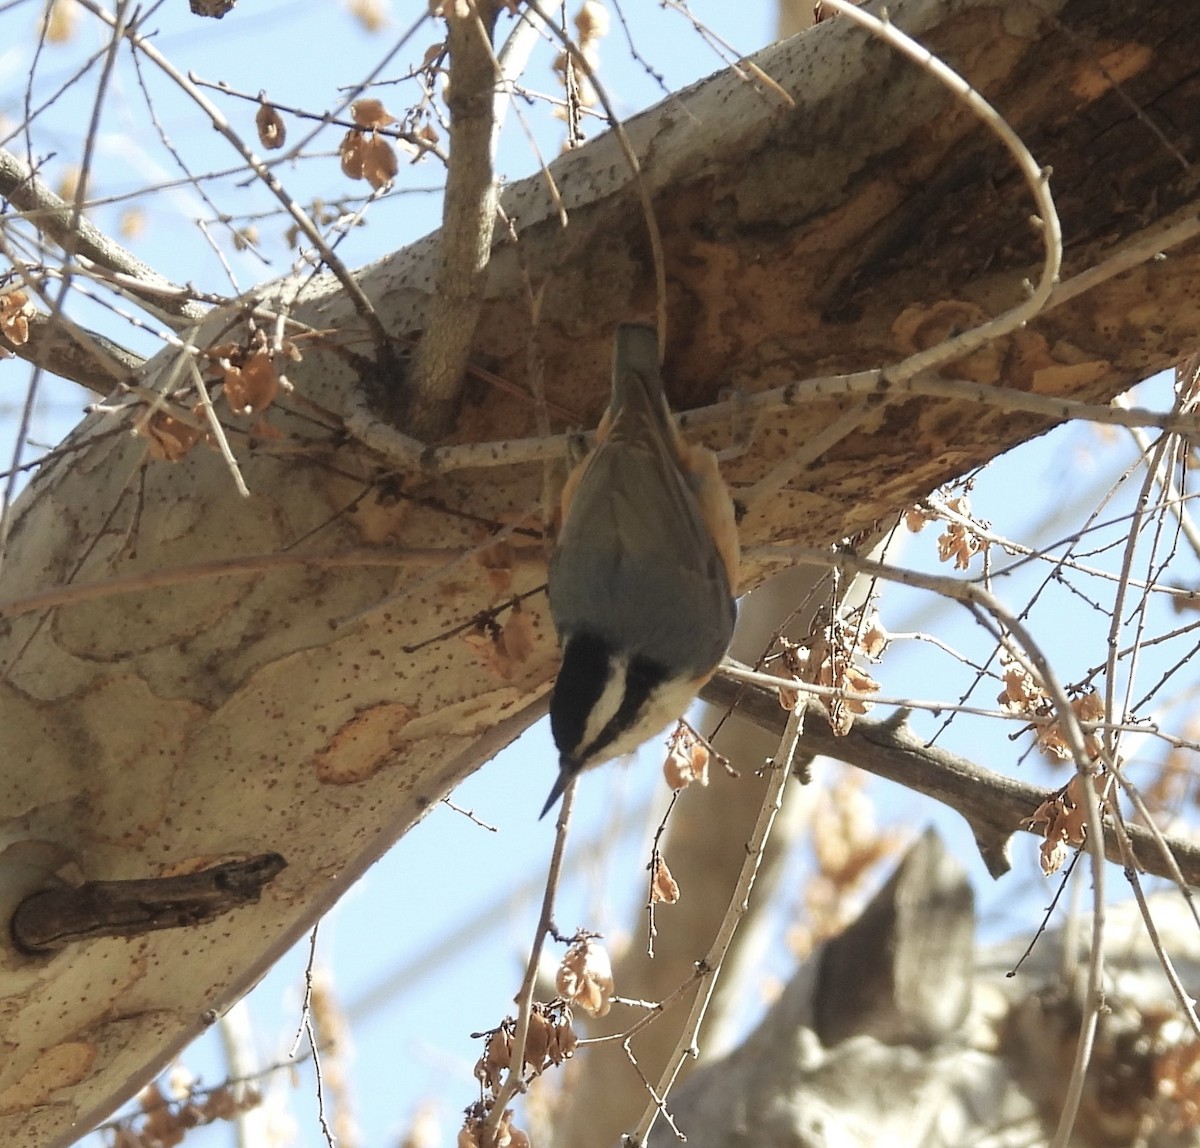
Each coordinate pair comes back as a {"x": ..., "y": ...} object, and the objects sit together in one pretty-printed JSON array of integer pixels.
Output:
[{"x": 642, "y": 581}]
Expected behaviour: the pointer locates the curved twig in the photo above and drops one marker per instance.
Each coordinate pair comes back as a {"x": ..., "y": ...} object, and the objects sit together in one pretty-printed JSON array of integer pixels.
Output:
[{"x": 1037, "y": 179}]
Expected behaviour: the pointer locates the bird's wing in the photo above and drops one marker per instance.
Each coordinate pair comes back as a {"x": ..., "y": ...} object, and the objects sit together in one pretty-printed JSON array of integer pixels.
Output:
[{"x": 635, "y": 548}]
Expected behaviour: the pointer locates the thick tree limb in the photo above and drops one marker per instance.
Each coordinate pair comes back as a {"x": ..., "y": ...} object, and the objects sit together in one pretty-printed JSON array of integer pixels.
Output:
[{"x": 468, "y": 223}]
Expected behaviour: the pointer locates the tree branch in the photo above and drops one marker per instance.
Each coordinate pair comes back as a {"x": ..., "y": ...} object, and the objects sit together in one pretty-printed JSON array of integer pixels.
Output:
[
  {"x": 72, "y": 352},
  {"x": 53, "y": 216},
  {"x": 992, "y": 804},
  {"x": 48, "y": 920},
  {"x": 468, "y": 223}
]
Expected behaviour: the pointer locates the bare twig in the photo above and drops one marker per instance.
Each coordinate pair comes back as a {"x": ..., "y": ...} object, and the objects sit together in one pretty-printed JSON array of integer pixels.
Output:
[
  {"x": 72, "y": 352},
  {"x": 419, "y": 143},
  {"x": 1182, "y": 997},
  {"x": 306, "y": 1028},
  {"x": 469, "y": 814},
  {"x": 1125, "y": 258},
  {"x": 742, "y": 65},
  {"x": 400, "y": 449},
  {"x": 1173, "y": 497},
  {"x": 513, "y": 1079},
  {"x": 580, "y": 60},
  {"x": 710, "y": 967},
  {"x": 512, "y": 452},
  {"x": 214, "y": 424},
  {"x": 1154, "y": 477}
]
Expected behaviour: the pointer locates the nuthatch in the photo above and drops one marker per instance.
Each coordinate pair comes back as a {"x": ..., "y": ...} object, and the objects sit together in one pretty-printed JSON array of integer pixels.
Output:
[{"x": 642, "y": 580}]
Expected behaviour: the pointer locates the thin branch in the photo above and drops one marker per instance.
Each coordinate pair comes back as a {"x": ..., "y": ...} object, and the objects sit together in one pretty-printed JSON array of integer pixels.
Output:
[
  {"x": 510, "y": 63},
  {"x": 580, "y": 60},
  {"x": 512, "y": 452},
  {"x": 51, "y": 215},
  {"x": 307, "y": 1029},
  {"x": 214, "y": 424},
  {"x": 514, "y": 1077},
  {"x": 992, "y": 804},
  {"x": 738, "y": 63},
  {"x": 469, "y": 814},
  {"x": 400, "y": 449},
  {"x": 1152, "y": 479},
  {"x": 654, "y": 1009},
  {"x": 1173, "y": 499},
  {"x": 811, "y": 689},
  {"x": 1182, "y": 997},
  {"x": 710, "y": 966},
  {"x": 1133, "y": 254},
  {"x": 421, "y": 145},
  {"x": 65, "y": 349},
  {"x": 1167, "y": 847}
]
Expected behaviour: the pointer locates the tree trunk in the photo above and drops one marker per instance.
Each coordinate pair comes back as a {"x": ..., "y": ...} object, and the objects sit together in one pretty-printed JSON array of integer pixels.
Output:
[
  {"x": 317, "y": 709},
  {"x": 897, "y": 1032}
]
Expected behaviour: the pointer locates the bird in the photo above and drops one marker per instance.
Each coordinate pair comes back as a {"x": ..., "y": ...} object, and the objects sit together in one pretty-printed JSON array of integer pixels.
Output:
[{"x": 643, "y": 575}]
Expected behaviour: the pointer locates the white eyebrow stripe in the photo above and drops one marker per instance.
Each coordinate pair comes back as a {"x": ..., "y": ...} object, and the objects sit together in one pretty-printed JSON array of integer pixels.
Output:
[{"x": 606, "y": 707}]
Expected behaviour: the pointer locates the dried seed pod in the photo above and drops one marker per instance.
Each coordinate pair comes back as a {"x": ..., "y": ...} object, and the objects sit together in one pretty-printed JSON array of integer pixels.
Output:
[
  {"x": 380, "y": 162},
  {"x": 272, "y": 132},
  {"x": 350, "y": 152},
  {"x": 663, "y": 887},
  {"x": 371, "y": 113},
  {"x": 585, "y": 976},
  {"x": 537, "y": 1042}
]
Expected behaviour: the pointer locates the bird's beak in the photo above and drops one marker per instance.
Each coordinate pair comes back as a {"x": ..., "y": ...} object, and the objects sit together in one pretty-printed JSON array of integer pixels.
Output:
[{"x": 567, "y": 769}]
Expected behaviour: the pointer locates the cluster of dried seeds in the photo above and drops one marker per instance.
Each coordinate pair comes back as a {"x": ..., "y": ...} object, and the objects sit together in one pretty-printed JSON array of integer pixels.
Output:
[
  {"x": 963, "y": 536},
  {"x": 246, "y": 376},
  {"x": 15, "y": 312},
  {"x": 830, "y": 657},
  {"x": 164, "y": 1118}
]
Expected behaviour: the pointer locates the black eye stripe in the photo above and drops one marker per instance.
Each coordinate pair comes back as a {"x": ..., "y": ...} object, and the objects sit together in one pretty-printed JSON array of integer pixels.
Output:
[
  {"x": 580, "y": 684},
  {"x": 642, "y": 678}
]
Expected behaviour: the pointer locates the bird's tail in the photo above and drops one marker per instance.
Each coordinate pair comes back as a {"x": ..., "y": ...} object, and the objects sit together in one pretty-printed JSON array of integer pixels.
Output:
[{"x": 638, "y": 403}]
